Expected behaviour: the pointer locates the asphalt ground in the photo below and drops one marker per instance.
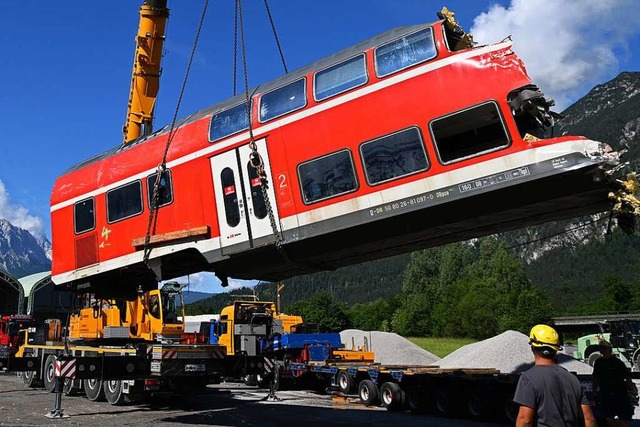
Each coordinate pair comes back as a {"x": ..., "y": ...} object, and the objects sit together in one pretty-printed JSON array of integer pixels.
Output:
[{"x": 220, "y": 405}]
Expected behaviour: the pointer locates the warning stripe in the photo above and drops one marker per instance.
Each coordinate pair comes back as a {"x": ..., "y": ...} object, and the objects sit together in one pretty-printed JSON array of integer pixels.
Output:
[
  {"x": 65, "y": 368},
  {"x": 269, "y": 365},
  {"x": 170, "y": 354}
]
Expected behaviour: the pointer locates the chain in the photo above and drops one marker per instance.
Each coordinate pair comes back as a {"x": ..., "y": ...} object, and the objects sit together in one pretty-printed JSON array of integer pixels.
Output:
[
  {"x": 275, "y": 36},
  {"x": 153, "y": 210},
  {"x": 254, "y": 158}
]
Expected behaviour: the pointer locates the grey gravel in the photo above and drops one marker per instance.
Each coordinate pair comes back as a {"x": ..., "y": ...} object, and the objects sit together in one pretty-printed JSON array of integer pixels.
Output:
[
  {"x": 389, "y": 348},
  {"x": 508, "y": 352}
]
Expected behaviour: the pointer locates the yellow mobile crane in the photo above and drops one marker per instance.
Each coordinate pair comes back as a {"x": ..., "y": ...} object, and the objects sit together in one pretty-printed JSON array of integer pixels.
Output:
[{"x": 145, "y": 77}]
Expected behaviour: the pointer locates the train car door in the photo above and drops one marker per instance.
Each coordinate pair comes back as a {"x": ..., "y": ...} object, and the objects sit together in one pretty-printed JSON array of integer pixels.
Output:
[{"x": 242, "y": 210}]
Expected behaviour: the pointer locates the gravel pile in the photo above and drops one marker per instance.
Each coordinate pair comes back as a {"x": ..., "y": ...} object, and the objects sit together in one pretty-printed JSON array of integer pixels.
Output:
[
  {"x": 508, "y": 352},
  {"x": 389, "y": 348}
]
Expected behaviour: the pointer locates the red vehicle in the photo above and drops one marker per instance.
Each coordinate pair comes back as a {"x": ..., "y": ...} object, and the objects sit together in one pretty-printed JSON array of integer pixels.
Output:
[
  {"x": 404, "y": 141},
  {"x": 10, "y": 327}
]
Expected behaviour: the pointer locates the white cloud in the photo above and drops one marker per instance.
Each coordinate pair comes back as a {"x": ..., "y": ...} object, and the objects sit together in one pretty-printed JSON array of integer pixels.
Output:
[
  {"x": 567, "y": 46},
  {"x": 19, "y": 215}
]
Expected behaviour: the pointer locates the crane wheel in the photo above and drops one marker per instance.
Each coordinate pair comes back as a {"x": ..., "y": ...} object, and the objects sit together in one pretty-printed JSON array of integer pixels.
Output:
[
  {"x": 49, "y": 373},
  {"x": 31, "y": 379},
  {"x": 368, "y": 393},
  {"x": 113, "y": 392},
  {"x": 93, "y": 390}
]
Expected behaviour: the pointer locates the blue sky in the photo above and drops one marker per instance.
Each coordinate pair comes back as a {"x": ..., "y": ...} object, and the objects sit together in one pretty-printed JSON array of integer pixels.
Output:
[{"x": 66, "y": 66}]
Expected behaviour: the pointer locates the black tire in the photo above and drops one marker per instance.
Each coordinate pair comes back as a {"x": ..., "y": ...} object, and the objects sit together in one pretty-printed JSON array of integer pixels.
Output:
[
  {"x": 509, "y": 408},
  {"x": 368, "y": 393},
  {"x": 113, "y": 392},
  {"x": 251, "y": 380},
  {"x": 479, "y": 406},
  {"x": 346, "y": 383},
  {"x": 392, "y": 396},
  {"x": 93, "y": 390},
  {"x": 48, "y": 373},
  {"x": 417, "y": 400},
  {"x": 31, "y": 379},
  {"x": 446, "y": 401},
  {"x": 591, "y": 360},
  {"x": 71, "y": 387}
]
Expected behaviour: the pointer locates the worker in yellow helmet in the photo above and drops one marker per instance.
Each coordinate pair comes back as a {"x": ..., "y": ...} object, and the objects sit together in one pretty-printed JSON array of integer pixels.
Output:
[{"x": 547, "y": 393}]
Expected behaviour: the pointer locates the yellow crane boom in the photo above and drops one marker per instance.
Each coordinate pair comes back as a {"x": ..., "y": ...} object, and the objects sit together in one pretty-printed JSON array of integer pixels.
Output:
[{"x": 145, "y": 79}]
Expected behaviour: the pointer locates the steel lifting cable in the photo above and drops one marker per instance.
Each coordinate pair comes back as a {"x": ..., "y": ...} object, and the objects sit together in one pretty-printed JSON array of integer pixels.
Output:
[
  {"x": 254, "y": 158},
  {"x": 153, "y": 211},
  {"x": 275, "y": 35}
]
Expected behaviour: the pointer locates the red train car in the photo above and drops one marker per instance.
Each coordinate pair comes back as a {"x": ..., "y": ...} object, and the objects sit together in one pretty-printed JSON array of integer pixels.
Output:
[{"x": 398, "y": 143}]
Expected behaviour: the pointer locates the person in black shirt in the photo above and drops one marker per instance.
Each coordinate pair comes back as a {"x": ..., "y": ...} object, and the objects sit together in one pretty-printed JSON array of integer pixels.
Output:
[
  {"x": 611, "y": 383},
  {"x": 548, "y": 394}
]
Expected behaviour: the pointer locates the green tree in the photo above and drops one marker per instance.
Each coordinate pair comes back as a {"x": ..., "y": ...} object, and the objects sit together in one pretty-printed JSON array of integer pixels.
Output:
[
  {"x": 373, "y": 315},
  {"x": 413, "y": 317},
  {"x": 324, "y": 310}
]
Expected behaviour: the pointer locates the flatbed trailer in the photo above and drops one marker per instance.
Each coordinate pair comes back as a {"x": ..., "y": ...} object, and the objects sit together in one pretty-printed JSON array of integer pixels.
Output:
[{"x": 451, "y": 392}]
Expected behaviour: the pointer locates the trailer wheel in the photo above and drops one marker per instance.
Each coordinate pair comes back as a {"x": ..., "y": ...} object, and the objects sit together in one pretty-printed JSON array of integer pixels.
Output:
[
  {"x": 368, "y": 392},
  {"x": 113, "y": 392},
  {"x": 446, "y": 401},
  {"x": 31, "y": 379},
  {"x": 93, "y": 390},
  {"x": 49, "y": 373},
  {"x": 416, "y": 400},
  {"x": 346, "y": 383},
  {"x": 392, "y": 396},
  {"x": 509, "y": 408},
  {"x": 479, "y": 406}
]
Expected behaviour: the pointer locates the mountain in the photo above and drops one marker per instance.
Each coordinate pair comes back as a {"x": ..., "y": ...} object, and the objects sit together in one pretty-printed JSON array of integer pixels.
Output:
[
  {"x": 21, "y": 253},
  {"x": 190, "y": 297}
]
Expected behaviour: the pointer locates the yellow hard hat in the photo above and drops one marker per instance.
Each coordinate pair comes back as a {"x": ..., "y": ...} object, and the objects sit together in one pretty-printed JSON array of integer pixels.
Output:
[{"x": 544, "y": 336}]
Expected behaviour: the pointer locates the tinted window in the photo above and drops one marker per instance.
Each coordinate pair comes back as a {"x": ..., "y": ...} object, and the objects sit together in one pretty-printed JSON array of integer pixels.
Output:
[
  {"x": 469, "y": 133},
  {"x": 283, "y": 100},
  {"x": 393, "y": 156},
  {"x": 327, "y": 176},
  {"x": 84, "y": 217},
  {"x": 228, "y": 122},
  {"x": 257, "y": 198},
  {"x": 124, "y": 202},
  {"x": 405, "y": 52},
  {"x": 230, "y": 197},
  {"x": 341, "y": 77},
  {"x": 165, "y": 190}
]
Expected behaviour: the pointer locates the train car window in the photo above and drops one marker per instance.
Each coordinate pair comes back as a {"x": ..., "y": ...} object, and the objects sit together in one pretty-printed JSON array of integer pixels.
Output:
[
  {"x": 340, "y": 78},
  {"x": 228, "y": 122},
  {"x": 394, "y": 156},
  {"x": 230, "y": 197},
  {"x": 257, "y": 198},
  {"x": 327, "y": 177},
  {"x": 283, "y": 100},
  {"x": 165, "y": 189},
  {"x": 405, "y": 52},
  {"x": 124, "y": 202},
  {"x": 84, "y": 216},
  {"x": 469, "y": 133}
]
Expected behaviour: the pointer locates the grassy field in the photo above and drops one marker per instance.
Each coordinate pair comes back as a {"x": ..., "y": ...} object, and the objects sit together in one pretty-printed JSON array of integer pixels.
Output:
[{"x": 441, "y": 346}]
